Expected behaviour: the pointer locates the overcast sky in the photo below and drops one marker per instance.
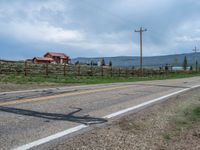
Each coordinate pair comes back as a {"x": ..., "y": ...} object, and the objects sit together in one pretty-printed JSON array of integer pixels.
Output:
[{"x": 97, "y": 28}]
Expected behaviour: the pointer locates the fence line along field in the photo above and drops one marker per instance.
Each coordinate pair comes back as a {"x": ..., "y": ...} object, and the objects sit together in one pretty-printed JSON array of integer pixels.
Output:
[{"x": 27, "y": 68}]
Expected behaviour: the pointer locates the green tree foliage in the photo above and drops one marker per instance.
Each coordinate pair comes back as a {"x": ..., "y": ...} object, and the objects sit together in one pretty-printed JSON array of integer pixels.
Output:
[
  {"x": 110, "y": 63},
  {"x": 92, "y": 63},
  {"x": 196, "y": 65},
  {"x": 77, "y": 63},
  {"x": 185, "y": 63},
  {"x": 103, "y": 62}
]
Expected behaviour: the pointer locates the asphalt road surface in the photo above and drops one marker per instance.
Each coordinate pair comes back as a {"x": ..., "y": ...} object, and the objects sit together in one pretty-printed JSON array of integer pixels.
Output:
[{"x": 38, "y": 118}]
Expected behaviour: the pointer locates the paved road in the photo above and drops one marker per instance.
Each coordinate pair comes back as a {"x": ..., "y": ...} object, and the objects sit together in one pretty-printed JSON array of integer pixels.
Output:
[{"x": 28, "y": 116}]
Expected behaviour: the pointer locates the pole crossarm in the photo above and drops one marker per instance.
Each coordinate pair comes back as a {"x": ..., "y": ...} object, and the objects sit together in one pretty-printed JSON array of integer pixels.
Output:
[
  {"x": 141, "y": 30},
  {"x": 195, "y": 49}
]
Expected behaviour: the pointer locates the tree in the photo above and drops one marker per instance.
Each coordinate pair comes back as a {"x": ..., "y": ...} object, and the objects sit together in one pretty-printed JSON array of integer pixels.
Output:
[
  {"x": 191, "y": 68},
  {"x": 196, "y": 65},
  {"x": 77, "y": 63},
  {"x": 185, "y": 63},
  {"x": 166, "y": 67},
  {"x": 91, "y": 63},
  {"x": 110, "y": 63},
  {"x": 103, "y": 62}
]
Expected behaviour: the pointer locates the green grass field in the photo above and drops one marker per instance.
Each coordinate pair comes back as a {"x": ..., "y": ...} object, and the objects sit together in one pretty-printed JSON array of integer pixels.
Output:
[{"x": 21, "y": 79}]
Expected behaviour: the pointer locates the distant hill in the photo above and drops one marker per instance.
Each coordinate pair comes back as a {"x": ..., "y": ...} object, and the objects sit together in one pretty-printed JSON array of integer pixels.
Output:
[{"x": 153, "y": 61}]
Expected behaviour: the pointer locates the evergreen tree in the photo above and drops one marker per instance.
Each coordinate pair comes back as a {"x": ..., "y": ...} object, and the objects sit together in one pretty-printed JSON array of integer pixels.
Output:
[
  {"x": 196, "y": 65},
  {"x": 110, "y": 63},
  {"x": 77, "y": 63},
  {"x": 191, "y": 68},
  {"x": 92, "y": 63},
  {"x": 103, "y": 62},
  {"x": 185, "y": 63}
]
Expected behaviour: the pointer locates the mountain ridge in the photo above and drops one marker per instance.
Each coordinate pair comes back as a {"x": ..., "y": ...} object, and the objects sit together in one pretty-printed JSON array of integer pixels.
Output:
[{"x": 148, "y": 61}]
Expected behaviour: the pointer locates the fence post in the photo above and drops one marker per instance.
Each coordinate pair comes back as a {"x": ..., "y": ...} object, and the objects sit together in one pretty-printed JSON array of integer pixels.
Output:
[
  {"x": 79, "y": 70},
  {"x": 126, "y": 72},
  {"x": 25, "y": 68},
  {"x": 91, "y": 70},
  {"x": 111, "y": 71},
  {"x": 0, "y": 67},
  {"x": 47, "y": 69},
  {"x": 101, "y": 70},
  {"x": 119, "y": 72},
  {"x": 64, "y": 69},
  {"x": 133, "y": 72}
]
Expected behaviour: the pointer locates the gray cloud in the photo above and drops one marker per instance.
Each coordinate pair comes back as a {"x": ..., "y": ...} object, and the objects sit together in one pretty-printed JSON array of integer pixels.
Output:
[{"x": 97, "y": 28}]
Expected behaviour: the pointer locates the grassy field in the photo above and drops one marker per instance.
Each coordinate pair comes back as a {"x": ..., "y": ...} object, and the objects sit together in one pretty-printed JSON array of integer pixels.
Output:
[{"x": 21, "y": 79}]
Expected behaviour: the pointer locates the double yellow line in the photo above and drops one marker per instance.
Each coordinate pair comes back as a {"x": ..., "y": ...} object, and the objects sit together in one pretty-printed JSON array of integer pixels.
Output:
[{"x": 63, "y": 95}]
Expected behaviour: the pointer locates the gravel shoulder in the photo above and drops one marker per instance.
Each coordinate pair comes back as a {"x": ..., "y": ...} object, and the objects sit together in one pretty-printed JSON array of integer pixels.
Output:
[{"x": 168, "y": 125}]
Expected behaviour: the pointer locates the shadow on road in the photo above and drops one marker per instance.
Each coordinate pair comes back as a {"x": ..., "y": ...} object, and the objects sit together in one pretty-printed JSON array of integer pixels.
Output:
[{"x": 86, "y": 119}]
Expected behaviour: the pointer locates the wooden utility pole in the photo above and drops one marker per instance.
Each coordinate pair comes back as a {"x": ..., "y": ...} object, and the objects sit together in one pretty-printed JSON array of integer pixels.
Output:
[
  {"x": 141, "y": 30},
  {"x": 196, "y": 63}
]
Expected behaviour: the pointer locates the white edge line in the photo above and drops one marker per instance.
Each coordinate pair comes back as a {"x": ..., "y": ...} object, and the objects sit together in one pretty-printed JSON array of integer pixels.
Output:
[
  {"x": 80, "y": 127},
  {"x": 50, "y": 138}
]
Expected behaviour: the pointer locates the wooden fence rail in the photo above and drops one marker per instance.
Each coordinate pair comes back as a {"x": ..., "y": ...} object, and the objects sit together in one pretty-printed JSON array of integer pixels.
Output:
[{"x": 72, "y": 70}]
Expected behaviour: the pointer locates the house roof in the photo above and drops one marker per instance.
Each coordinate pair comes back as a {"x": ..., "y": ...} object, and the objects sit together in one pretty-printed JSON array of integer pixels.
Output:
[
  {"x": 61, "y": 55},
  {"x": 43, "y": 59}
]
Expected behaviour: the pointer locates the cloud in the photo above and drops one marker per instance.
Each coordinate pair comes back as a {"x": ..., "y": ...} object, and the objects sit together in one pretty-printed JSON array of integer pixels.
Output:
[
  {"x": 111, "y": 49},
  {"x": 40, "y": 31},
  {"x": 187, "y": 39},
  {"x": 98, "y": 28},
  {"x": 188, "y": 32}
]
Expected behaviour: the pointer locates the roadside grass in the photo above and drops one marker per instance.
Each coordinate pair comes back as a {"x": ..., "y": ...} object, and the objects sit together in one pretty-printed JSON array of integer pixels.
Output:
[
  {"x": 195, "y": 116},
  {"x": 21, "y": 79},
  {"x": 184, "y": 118},
  {"x": 187, "y": 117},
  {"x": 167, "y": 136}
]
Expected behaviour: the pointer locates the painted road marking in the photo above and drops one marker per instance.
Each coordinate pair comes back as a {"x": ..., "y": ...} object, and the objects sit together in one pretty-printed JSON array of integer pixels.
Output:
[
  {"x": 63, "y": 95},
  {"x": 52, "y": 137},
  {"x": 80, "y": 127},
  {"x": 65, "y": 87}
]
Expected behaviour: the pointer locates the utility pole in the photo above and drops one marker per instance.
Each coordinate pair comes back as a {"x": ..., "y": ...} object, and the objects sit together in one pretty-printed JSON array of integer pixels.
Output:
[
  {"x": 196, "y": 63},
  {"x": 141, "y": 30}
]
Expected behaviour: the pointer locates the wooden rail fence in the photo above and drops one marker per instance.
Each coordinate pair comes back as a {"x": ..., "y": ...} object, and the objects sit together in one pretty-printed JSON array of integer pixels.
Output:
[{"x": 27, "y": 68}]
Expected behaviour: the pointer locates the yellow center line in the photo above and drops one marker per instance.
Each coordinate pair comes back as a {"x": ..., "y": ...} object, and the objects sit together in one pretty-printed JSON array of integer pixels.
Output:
[{"x": 62, "y": 95}]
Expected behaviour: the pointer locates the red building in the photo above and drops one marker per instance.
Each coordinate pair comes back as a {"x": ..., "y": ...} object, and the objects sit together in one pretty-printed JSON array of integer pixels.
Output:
[
  {"x": 41, "y": 60},
  {"x": 59, "y": 58},
  {"x": 50, "y": 57}
]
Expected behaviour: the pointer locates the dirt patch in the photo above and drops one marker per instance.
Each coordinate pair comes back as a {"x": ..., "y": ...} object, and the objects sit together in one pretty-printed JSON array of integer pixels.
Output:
[{"x": 168, "y": 125}]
